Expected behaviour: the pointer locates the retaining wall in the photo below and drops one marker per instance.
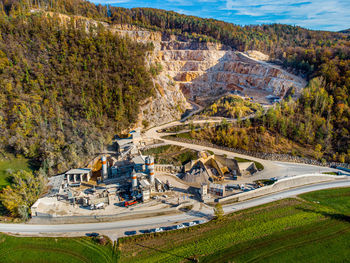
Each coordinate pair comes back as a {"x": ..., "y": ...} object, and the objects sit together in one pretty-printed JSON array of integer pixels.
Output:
[{"x": 281, "y": 185}]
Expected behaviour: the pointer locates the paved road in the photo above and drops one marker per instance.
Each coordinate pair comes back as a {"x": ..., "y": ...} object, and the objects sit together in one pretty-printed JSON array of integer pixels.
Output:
[
  {"x": 147, "y": 223},
  {"x": 286, "y": 194}
]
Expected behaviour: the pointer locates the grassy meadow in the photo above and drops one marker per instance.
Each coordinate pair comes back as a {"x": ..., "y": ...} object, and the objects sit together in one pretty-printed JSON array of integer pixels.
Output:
[
  {"x": 13, "y": 164},
  {"x": 312, "y": 228},
  {"x": 50, "y": 250},
  {"x": 171, "y": 154}
]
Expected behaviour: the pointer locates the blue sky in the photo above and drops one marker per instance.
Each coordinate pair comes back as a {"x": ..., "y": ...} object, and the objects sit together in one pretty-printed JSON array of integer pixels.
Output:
[{"x": 331, "y": 15}]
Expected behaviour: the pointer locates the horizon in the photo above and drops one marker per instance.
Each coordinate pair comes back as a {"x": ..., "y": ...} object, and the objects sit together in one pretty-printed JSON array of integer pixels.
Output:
[{"x": 325, "y": 15}]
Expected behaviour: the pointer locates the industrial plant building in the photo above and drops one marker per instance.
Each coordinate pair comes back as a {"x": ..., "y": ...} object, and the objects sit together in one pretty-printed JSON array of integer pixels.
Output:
[
  {"x": 210, "y": 167},
  {"x": 78, "y": 175},
  {"x": 127, "y": 178}
]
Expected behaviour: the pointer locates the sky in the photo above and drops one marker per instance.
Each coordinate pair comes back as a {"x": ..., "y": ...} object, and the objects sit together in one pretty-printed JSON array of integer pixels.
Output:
[{"x": 333, "y": 15}]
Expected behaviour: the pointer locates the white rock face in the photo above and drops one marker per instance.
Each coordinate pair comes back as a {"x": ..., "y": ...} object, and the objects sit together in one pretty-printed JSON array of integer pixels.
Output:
[
  {"x": 254, "y": 54},
  {"x": 200, "y": 72},
  {"x": 203, "y": 71},
  {"x": 169, "y": 102},
  {"x": 203, "y": 74}
]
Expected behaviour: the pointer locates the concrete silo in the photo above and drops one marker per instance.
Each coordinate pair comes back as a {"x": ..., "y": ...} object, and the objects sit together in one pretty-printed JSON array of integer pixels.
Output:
[
  {"x": 150, "y": 168},
  {"x": 134, "y": 180},
  {"x": 104, "y": 171}
]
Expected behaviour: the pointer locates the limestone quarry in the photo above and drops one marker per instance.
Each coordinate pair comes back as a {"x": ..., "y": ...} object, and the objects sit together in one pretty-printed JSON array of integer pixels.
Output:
[{"x": 201, "y": 72}]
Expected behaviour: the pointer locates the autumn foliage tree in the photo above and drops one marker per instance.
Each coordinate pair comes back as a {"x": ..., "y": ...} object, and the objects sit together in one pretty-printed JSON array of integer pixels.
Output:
[{"x": 24, "y": 190}]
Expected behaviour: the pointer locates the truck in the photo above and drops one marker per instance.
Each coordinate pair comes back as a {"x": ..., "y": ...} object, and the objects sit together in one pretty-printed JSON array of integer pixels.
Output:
[{"x": 129, "y": 203}]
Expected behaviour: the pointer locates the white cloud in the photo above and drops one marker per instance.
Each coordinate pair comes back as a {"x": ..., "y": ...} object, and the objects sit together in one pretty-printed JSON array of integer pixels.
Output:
[
  {"x": 331, "y": 15},
  {"x": 315, "y": 14}
]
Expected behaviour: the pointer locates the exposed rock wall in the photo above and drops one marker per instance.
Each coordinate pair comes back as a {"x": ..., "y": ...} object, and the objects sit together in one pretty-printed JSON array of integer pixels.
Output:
[
  {"x": 199, "y": 71},
  {"x": 169, "y": 102},
  {"x": 206, "y": 73}
]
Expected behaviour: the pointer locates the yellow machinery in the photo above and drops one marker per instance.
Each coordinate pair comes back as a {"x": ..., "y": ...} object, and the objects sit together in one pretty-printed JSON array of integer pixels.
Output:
[{"x": 97, "y": 166}]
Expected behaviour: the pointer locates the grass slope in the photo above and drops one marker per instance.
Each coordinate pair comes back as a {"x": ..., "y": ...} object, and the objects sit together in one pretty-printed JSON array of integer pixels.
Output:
[
  {"x": 171, "y": 154},
  {"x": 14, "y": 164},
  {"x": 312, "y": 229},
  {"x": 30, "y": 249}
]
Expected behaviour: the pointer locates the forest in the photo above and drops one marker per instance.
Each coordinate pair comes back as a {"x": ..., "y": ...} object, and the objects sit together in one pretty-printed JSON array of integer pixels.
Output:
[
  {"x": 65, "y": 91},
  {"x": 41, "y": 63},
  {"x": 302, "y": 127}
]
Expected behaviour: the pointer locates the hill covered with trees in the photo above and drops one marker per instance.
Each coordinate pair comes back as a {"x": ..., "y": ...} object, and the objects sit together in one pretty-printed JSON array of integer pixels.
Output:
[
  {"x": 64, "y": 90},
  {"x": 60, "y": 88}
]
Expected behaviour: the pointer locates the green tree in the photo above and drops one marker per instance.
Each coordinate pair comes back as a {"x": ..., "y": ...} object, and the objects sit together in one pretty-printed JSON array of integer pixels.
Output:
[
  {"x": 218, "y": 211},
  {"x": 24, "y": 190}
]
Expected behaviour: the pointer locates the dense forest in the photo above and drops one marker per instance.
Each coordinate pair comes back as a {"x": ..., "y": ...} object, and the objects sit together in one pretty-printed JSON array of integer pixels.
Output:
[
  {"x": 65, "y": 91},
  {"x": 303, "y": 127},
  {"x": 315, "y": 54}
]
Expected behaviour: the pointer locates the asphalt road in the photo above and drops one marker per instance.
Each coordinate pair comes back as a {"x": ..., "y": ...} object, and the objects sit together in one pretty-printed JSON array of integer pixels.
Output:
[{"x": 147, "y": 223}]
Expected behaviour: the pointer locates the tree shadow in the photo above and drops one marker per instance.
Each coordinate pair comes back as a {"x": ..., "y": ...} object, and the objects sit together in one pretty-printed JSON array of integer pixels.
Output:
[{"x": 335, "y": 216}]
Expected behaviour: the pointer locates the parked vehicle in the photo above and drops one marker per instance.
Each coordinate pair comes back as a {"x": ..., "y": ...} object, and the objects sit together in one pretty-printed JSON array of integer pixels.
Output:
[
  {"x": 93, "y": 234},
  {"x": 192, "y": 223},
  {"x": 158, "y": 229},
  {"x": 100, "y": 206},
  {"x": 180, "y": 226},
  {"x": 129, "y": 203},
  {"x": 130, "y": 233}
]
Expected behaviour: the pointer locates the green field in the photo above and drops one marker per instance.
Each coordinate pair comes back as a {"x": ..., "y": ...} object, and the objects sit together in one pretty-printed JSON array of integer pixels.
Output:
[
  {"x": 30, "y": 249},
  {"x": 313, "y": 228},
  {"x": 13, "y": 164}
]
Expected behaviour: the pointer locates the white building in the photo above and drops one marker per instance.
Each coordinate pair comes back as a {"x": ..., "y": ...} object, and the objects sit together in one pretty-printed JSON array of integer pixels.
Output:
[{"x": 78, "y": 175}]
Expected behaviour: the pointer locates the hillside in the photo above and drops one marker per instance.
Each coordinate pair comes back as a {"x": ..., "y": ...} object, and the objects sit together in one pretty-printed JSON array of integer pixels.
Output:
[
  {"x": 346, "y": 31},
  {"x": 62, "y": 95},
  {"x": 66, "y": 88}
]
